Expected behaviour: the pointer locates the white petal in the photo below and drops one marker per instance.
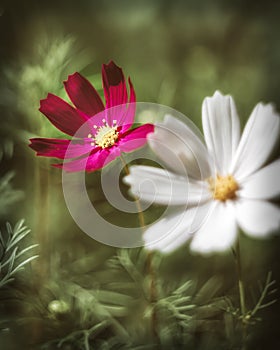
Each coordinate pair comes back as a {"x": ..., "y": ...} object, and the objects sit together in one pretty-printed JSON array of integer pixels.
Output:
[
  {"x": 258, "y": 218},
  {"x": 264, "y": 184},
  {"x": 219, "y": 231},
  {"x": 221, "y": 128},
  {"x": 180, "y": 148},
  {"x": 160, "y": 186},
  {"x": 174, "y": 230},
  {"x": 257, "y": 142}
]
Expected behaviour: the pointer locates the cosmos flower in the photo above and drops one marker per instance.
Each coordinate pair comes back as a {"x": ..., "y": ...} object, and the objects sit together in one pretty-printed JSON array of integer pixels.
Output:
[
  {"x": 104, "y": 132},
  {"x": 221, "y": 187}
]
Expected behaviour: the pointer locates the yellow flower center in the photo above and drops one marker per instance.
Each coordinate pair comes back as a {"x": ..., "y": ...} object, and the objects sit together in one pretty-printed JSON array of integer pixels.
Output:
[
  {"x": 105, "y": 136},
  {"x": 223, "y": 187}
]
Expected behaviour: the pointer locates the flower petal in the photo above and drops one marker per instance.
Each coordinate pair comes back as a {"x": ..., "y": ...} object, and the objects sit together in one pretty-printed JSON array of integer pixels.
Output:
[
  {"x": 129, "y": 114},
  {"x": 258, "y": 218},
  {"x": 160, "y": 186},
  {"x": 135, "y": 138},
  {"x": 257, "y": 142},
  {"x": 97, "y": 159},
  {"x": 180, "y": 148},
  {"x": 115, "y": 92},
  {"x": 264, "y": 184},
  {"x": 219, "y": 231},
  {"x": 83, "y": 94},
  {"x": 172, "y": 231},
  {"x": 114, "y": 85},
  {"x": 169, "y": 233},
  {"x": 221, "y": 129},
  {"x": 61, "y": 114},
  {"x": 59, "y": 148}
]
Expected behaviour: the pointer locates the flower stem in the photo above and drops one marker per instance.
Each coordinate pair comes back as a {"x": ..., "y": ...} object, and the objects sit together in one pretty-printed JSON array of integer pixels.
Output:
[
  {"x": 153, "y": 293},
  {"x": 137, "y": 202},
  {"x": 240, "y": 282},
  {"x": 150, "y": 267},
  {"x": 241, "y": 293}
]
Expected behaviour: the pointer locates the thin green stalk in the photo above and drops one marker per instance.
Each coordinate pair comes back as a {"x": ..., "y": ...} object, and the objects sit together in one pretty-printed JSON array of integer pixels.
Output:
[
  {"x": 241, "y": 289},
  {"x": 150, "y": 268},
  {"x": 240, "y": 281},
  {"x": 137, "y": 202}
]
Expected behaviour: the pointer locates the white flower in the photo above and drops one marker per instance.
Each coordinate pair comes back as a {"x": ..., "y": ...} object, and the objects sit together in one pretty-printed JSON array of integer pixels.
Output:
[{"x": 213, "y": 189}]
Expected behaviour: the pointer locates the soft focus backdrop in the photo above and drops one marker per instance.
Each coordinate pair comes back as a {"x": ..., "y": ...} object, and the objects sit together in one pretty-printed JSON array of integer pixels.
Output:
[{"x": 176, "y": 53}]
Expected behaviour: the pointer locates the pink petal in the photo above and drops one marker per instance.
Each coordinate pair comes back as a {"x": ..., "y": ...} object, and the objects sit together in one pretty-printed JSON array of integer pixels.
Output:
[
  {"x": 95, "y": 161},
  {"x": 114, "y": 85},
  {"x": 135, "y": 138},
  {"x": 59, "y": 148},
  {"x": 131, "y": 109},
  {"x": 83, "y": 94},
  {"x": 124, "y": 114},
  {"x": 61, "y": 114},
  {"x": 116, "y": 96}
]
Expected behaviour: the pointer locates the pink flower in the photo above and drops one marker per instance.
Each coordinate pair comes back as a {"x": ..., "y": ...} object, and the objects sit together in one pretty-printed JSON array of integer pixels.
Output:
[{"x": 104, "y": 132}]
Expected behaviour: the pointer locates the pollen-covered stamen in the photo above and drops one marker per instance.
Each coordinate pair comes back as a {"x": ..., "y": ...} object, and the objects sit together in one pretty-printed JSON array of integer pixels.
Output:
[
  {"x": 105, "y": 135},
  {"x": 223, "y": 187}
]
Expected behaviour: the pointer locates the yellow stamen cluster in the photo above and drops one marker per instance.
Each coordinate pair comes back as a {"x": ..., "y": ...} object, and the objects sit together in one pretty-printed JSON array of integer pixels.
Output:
[
  {"x": 105, "y": 136},
  {"x": 223, "y": 187}
]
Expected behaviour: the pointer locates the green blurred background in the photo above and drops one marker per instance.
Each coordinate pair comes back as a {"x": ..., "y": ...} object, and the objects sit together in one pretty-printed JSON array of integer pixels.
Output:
[{"x": 176, "y": 53}]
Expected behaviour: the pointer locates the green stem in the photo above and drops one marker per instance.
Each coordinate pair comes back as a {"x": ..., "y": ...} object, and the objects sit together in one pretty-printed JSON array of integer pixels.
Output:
[
  {"x": 240, "y": 281},
  {"x": 237, "y": 256},
  {"x": 137, "y": 202},
  {"x": 150, "y": 268}
]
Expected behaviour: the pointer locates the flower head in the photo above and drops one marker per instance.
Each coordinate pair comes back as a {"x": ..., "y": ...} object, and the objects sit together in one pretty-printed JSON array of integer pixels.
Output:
[
  {"x": 100, "y": 132},
  {"x": 224, "y": 185}
]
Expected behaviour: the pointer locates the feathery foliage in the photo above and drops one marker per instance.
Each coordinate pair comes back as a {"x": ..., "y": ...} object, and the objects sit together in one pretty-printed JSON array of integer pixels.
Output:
[
  {"x": 13, "y": 258},
  {"x": 8, "y": 194}
]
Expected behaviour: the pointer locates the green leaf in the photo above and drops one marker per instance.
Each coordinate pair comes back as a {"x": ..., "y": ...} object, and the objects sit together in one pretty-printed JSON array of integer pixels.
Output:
[
  {"x": 18, "y": 236},
  {"x": 20, "y": 266},
  {"x": 114, "y": 298},
  {"x": 208, "y": 290},
  {"x": 117, "y": 311},
  {"x": 184, "y": 287},
  {"x": 22, "y": 252}
]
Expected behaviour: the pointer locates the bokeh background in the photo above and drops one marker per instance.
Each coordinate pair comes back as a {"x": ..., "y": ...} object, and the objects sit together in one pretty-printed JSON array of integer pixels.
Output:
[{"x": 176, "y": 53}]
